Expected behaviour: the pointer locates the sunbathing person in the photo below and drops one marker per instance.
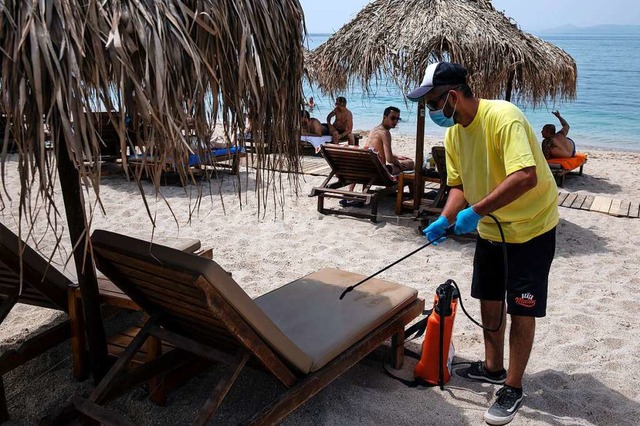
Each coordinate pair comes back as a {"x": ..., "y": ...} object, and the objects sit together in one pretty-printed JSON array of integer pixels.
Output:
[
  {"x": 343, "y": 124},
  {"x": 380, "y": 141},
  {"x": 310, "y": 126},
  {"x": 557, "y": 144}
]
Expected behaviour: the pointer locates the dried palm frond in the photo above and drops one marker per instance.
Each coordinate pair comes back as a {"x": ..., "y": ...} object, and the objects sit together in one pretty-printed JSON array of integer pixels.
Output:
[
  {"x": 153, "y": 63},
  {"x": 397, "y": 39}
]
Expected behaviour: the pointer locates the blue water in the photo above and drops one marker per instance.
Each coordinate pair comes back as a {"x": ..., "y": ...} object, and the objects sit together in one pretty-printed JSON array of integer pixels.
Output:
[{"x": 605, "y": 113}]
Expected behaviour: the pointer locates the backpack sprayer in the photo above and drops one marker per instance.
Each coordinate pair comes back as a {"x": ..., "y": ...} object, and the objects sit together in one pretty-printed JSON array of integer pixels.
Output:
[{"x": 436, "y": 360}]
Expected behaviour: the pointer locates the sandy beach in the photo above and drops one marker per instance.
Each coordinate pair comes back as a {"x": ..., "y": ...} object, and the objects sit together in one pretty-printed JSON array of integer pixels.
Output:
[{"x": 582, "y": 370}]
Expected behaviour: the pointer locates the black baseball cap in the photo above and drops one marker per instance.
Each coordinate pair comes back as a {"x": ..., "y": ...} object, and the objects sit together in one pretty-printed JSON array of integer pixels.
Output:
[{"x": 439, "y": 74}]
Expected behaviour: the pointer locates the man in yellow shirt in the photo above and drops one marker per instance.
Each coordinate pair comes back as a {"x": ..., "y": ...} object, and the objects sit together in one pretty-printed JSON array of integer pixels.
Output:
[{"x": 496, "y": 166}]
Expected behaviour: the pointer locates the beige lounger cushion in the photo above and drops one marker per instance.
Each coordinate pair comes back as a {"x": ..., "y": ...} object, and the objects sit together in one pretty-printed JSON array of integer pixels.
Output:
[{"x": 311, "y": 314}]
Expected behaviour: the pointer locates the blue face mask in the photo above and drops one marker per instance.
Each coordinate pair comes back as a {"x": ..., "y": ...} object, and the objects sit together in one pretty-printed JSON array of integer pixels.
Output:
[{"x": 440, "y": 119}]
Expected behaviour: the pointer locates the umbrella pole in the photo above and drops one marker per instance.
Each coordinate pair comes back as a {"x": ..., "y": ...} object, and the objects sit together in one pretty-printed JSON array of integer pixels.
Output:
[
  {"x": 418, "y": 187},
  {"x": 87, "y": 279},
  {"x": 509, "y": 87}
]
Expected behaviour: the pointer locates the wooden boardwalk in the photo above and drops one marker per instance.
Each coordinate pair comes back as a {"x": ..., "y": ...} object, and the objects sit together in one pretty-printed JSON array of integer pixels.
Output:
[{"x": 596, "y": 203}]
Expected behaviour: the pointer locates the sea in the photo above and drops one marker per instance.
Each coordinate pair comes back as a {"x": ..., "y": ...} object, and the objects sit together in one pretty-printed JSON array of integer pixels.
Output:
[{"x": 605, "y": 113}]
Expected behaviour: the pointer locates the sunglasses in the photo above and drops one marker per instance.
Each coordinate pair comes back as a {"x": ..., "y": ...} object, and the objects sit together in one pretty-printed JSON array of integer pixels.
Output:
[
  {"x": 395, "y": 118},
  {"x": 432, "y": 105}
]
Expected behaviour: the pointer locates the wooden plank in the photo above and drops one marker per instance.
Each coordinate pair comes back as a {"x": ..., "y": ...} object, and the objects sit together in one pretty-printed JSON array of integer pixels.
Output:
[
  {"x": 614, "y": 208},
  {"x": 601, "y": 204},
  {"x": 624, "y": 209},
  {"x": 561, "y": 197},
  {"x": 578, "y": 201},
  {"x": 569, "y": 200},
  {"x": 588, "y": 201},
  {"x": 634, "y": 210}
]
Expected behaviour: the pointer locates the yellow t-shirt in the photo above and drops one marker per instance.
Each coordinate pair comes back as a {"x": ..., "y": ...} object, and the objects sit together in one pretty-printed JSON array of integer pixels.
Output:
[{"x": 500, "y": 141}]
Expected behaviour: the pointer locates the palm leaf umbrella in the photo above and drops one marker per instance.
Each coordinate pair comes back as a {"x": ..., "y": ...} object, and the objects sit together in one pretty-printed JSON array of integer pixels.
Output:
[
  {"x": 145, "y": 59},
  {"x": 397, "y": 39}
]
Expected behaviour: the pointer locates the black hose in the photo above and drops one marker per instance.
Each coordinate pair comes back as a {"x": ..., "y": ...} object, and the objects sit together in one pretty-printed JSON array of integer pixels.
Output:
[{"x": 506, "y": 282}]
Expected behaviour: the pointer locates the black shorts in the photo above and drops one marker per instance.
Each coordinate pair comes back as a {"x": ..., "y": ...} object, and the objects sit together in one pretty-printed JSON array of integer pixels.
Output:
[{"x": 528, "y": 272}]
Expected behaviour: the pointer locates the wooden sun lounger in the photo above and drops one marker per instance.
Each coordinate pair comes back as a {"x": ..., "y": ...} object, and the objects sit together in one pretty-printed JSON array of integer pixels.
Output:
[
  {"x": 301, "y": 333},
  {"x": 147, "y": 165},
  {"x": 354, "y": 166},
  {"x": 43, "y": 285}
]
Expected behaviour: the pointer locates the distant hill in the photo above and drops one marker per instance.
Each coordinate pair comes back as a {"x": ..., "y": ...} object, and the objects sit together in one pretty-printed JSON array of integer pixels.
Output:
[{"x": 596, "y": 29}]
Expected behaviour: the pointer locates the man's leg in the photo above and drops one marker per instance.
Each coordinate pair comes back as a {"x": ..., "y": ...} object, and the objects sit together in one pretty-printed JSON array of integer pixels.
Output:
[
  {"x": 493, "y": 340},
  {"x": 523, "y": 330},
  {"x": 335, "y": 136}
]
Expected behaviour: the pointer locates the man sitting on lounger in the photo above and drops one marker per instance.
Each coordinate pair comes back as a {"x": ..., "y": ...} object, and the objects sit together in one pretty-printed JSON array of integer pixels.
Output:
[
  {"x": 343, "y": 125},
  {"x": 557, "y": 144},
  {"x": 310, "y": 126},
  {"x": 380, "y": 141}
]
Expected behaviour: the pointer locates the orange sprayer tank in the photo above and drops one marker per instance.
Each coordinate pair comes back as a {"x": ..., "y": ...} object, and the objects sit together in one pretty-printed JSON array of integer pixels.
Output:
[{"x": 434, "y": 366}]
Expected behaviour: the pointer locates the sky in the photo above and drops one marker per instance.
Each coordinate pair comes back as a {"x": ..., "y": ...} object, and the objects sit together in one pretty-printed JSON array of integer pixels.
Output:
[{"x": 327, "y": 16}]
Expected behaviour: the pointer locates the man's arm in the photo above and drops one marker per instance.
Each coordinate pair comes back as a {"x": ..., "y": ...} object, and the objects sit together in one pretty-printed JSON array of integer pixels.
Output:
[
  {"x": 388, "y": 153},
  {"x": 455, "y": 203},
  {"x": 330, "y": 116},
  {"x": 563, "y": 122},
  {"x": 515, "y": 185}
]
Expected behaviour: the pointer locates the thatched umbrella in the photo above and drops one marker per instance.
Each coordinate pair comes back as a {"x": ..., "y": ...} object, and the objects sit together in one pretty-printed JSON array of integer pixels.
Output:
[
  {"x": 147, "y": 60},
  {"x": 397, "y": 39}
]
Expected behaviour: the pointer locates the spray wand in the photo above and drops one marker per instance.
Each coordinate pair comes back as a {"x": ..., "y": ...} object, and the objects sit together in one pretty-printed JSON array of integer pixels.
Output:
[{"x": 349, "y": 289}]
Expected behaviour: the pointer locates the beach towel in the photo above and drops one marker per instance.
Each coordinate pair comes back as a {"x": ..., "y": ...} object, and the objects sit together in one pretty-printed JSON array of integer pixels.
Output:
[
  {"x": 569, "y": 163},
  {"x": 316, "y": 141}
]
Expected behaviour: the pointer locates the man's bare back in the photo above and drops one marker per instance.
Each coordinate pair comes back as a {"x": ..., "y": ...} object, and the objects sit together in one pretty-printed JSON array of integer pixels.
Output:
[
  {"x": 378, "y": 136},
  {"x": 557, "y": 144}
]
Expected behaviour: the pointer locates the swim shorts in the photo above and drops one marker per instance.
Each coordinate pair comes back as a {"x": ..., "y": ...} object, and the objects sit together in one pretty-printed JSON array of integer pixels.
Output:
[{"x": 528, "y": 273}]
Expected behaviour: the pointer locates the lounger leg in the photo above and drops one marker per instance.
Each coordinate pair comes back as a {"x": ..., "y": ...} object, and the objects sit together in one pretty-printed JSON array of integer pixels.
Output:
[
  {"x": 157, "y": 388},
  {"x": 397, "y": 349},
  {"x": 321, "y": 203},
  {"x": 374, "y": 210},
  {"x": 222, "y": 388}
]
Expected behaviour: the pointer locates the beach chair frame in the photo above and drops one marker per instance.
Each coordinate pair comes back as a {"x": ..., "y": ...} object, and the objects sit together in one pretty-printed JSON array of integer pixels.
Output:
[
  {"x": 561, "y": 167},
  {"x": 187, "y": 311},
  {"x": 354, "y": 166}
]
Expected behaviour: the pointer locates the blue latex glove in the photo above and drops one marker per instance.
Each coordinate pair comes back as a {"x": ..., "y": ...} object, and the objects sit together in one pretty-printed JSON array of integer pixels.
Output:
[
  {"x": 436, "y": 231},
  {"x": 467, "y": 221}
]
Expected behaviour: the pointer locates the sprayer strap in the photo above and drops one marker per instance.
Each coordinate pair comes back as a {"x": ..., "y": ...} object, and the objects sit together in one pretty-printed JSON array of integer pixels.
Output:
[
  {"x": 412, "y": 333},
  {"x": 409, "y": 383},
  {"x": 418, "y": 328}
]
